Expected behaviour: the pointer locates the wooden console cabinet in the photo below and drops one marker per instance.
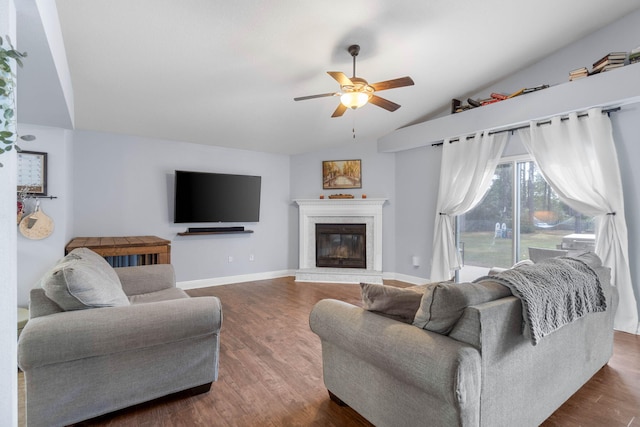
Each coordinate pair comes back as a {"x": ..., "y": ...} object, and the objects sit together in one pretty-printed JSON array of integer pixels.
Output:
[{"x": 126, "y": 251}]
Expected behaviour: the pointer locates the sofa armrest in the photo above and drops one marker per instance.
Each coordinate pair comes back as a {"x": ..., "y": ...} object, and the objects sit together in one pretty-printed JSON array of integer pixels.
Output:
[
  {"x": 146, "y": 278},
  {"x": 74, "y": 335},
  {"x": 440, "y": 366}
]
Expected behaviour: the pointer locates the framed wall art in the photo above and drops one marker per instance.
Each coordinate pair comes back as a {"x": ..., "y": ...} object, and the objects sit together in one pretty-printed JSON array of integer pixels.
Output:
[
  {"x": 341, "y": 174},
  {"x": 32, "y": 172}
]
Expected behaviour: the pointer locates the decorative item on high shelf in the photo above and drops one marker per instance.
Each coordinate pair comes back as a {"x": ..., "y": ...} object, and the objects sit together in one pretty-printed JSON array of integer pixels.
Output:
[
  {"x": 338, "y": 174},
  {"x": 341, "y": 196},
  {"x": 634, "y": 55}
]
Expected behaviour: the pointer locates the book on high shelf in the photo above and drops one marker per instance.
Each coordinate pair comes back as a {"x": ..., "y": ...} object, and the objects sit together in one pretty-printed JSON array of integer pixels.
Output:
[
  {"x": 634, "y": 56},
  {"x": 491, "y": 101},
  {"x": 499, "y": 96},
  {"x": 578, "y": 73},
  {"x": 608, "y": 65},
  {"x": 610, "y": 57},
  {"x": 536, "y": 88},
  {"x": 517, "y": 93},
  {"x": 611, "y": 67}
]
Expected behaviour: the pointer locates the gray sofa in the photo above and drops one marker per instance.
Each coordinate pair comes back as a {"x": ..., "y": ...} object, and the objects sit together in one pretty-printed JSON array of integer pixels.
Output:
[
  {"x": 481, "y": 370},
  {"x": 101, "y": 347}
]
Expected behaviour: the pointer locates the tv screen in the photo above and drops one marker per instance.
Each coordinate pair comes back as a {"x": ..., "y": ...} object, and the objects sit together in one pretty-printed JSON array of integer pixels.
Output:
[{"x": 216, "y": 197}]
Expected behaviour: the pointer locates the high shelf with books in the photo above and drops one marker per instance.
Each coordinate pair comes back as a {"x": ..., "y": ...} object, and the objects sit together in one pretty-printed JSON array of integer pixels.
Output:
[
  {"x": 611, "y": 89},
  {"x": 127, "y": 251}
]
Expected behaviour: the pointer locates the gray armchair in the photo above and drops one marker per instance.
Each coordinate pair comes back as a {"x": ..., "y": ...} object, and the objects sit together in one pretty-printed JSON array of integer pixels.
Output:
[{"x": 82, "y": 363}]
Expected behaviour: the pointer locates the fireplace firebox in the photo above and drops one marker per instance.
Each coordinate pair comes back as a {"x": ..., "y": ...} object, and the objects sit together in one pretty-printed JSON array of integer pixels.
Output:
[{"x": 341, "y": 245}]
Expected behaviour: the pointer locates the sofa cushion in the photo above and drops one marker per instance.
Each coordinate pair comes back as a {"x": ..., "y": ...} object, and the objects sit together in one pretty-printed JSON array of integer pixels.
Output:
[
  {"x": 162, "y": 295},
  {"x": 390, "y": 301},
  {"x": 443, "y": 304},
  {"x": 81, "y": 280}
]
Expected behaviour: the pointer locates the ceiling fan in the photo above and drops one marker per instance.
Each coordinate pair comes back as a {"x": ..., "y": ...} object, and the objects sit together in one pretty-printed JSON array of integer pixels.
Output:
[{"x": 356, "y": 91}]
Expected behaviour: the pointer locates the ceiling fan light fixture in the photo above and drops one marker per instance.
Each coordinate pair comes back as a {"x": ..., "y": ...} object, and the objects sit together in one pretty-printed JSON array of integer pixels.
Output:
[{"x": 354, "y": 100}]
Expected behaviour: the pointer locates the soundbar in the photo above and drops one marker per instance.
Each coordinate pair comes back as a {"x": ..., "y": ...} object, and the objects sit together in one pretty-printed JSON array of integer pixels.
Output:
[{"x": 213, "y": 229}]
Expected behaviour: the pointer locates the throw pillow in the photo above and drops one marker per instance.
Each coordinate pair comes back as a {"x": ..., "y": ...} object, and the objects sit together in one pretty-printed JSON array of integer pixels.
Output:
[
  {"x": 97, "y": 260},
  {"x": 80, "y": 281},
  {"x": 390, "y": 301},
  {"x": 442, "y": 306},
  {"x": 589, "y": 258}
]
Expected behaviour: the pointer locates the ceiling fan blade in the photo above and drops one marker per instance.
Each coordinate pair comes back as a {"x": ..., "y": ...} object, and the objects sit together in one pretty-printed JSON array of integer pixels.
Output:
[
  {"x": 339, "y": 111},
  {"x": 390, "y": 84},
  {"x": 384, "y": 103},
  {"x": 341, "y": 78},
  {"x": 322, "y": 95}
]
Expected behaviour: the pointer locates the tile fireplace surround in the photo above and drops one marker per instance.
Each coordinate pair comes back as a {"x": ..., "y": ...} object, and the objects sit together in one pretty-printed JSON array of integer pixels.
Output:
[{"x": 339, "y": 211}]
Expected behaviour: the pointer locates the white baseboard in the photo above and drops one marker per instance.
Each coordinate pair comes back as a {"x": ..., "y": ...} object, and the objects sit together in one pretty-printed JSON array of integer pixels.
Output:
[
  {"x": 414, "y": 280},
  {"x": 227, "y": 280}
]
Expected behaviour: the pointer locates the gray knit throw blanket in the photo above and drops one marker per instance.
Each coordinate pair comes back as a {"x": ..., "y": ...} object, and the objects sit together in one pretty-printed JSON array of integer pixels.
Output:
[{"x": 554, "y": 292}]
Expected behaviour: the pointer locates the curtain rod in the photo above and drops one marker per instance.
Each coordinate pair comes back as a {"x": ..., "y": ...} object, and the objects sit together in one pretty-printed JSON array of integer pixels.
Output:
[{"x": 515, "y": 128}]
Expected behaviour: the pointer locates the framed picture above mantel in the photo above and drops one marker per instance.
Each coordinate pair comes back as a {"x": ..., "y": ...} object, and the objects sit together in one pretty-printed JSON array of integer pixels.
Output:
[{"x": 341, "y": 174}]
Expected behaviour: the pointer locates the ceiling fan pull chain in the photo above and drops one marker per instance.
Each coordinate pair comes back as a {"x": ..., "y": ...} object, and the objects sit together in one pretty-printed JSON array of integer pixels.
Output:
[{"x": 353, "y": 128}]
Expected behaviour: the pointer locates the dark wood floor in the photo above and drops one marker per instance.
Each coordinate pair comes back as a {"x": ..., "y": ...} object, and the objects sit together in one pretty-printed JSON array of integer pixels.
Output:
[{"x": 271, "y": 370}]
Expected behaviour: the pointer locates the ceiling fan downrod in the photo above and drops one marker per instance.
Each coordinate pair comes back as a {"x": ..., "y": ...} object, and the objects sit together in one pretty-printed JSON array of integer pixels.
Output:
[{"x": 354, "y": 50}]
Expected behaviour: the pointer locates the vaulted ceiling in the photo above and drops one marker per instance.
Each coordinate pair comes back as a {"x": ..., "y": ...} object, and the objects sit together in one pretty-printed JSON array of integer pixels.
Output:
[{"x": 225, "y": 72}]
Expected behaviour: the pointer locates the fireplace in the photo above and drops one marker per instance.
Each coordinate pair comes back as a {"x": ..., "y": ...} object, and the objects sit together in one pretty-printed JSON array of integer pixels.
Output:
[
  {"x": 341, "y": 245},
  {"x": 367, "y": 212}
]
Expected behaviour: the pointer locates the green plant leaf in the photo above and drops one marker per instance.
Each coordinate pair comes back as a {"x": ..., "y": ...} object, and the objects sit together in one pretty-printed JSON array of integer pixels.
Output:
[
  {"x": 8, "y": 114},
  {"x": 5, "y": 134}
]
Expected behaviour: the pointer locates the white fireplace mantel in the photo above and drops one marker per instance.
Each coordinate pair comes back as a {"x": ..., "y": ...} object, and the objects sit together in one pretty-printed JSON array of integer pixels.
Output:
[{"x": 341, "y": 211}]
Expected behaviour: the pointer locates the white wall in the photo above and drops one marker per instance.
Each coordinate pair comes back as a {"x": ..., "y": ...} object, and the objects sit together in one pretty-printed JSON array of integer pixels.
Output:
[
  {"x": 378, "y": 181},
  {"x": 416, "y": 192},
  {"x": 123, "y": 185}
]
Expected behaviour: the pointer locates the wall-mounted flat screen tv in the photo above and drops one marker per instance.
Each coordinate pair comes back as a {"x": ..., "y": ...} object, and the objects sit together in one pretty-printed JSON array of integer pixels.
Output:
[{"x": 216, "y": 197}]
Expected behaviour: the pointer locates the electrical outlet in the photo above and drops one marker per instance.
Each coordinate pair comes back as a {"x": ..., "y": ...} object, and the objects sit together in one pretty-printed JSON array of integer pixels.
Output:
[
  {"x": 252, "y": 257},
  {"x": 230, "y": 258}
]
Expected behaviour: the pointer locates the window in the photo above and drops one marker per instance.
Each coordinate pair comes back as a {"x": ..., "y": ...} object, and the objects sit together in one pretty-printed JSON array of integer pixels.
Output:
[{"x": 499, "y": 232}]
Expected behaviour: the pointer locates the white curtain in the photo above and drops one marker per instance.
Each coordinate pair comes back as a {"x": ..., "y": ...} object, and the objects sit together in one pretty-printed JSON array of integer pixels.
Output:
[
  {"x": 577, "y": 157},
  {"x": 467, "y": 169}
]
